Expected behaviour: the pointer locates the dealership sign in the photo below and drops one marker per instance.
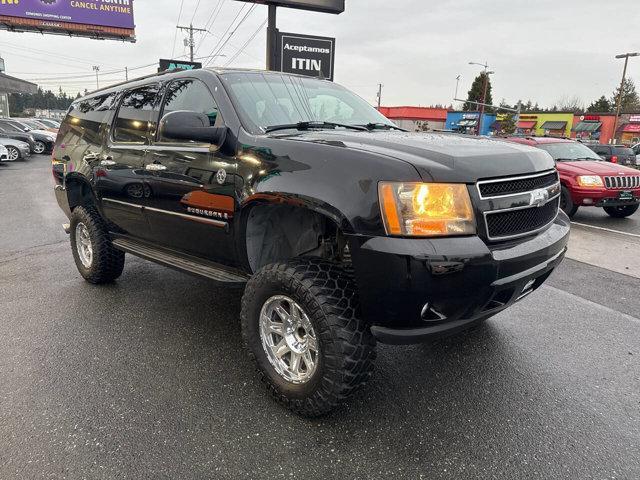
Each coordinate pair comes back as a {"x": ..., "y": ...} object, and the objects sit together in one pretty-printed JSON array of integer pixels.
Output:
[
  {"x": 326, "y": 6},
  {"x": 92, "y": 18},
  {"x": 178, "y": 65},
  {"x": 306, "y": 55}
]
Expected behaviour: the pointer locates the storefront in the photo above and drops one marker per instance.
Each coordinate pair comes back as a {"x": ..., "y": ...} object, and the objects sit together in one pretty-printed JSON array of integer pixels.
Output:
[
  {"x": 593, "y": 128},
  {"x": 416, "y": 118},
  {"x": 467, "y": 122},
  {"x": 630, "y": 131},
  {"x": 526, "y": 125}
]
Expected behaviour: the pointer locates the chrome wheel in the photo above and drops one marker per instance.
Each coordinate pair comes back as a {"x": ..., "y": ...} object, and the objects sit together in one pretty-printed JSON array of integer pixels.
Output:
[
  {"x": 13, "y": 154},
  {"x": 83, "y": 245},
  {"x": 39, "y": 147},
  {"x": 288, "y": 339}
]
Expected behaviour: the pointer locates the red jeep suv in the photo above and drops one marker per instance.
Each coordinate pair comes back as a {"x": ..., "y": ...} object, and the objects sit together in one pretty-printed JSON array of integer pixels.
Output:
[{"x": 587, "y": 180}]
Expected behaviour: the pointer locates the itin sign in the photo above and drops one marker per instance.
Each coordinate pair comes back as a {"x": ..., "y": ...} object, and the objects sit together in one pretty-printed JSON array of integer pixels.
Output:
[{"x": 306, "y": 55}]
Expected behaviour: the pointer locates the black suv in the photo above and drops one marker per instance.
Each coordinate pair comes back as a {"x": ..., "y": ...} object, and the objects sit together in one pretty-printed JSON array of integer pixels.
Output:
[
  {"x": 343, "y": 229},
  {"x": 620, "y": 154}
]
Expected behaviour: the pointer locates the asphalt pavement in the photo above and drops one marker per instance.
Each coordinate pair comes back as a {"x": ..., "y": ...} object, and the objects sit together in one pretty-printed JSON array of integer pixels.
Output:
[{"x": 146, "y": 378}]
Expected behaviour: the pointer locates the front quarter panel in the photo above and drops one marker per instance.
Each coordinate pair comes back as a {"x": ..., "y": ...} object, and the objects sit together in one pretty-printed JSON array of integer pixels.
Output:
[{"x": 325, "y": 176}]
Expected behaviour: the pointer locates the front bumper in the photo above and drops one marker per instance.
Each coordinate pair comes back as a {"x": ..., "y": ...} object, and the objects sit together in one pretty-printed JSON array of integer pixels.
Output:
[
  {"x": 603, "y": 197},
  {"x": 414, "y": 290}
]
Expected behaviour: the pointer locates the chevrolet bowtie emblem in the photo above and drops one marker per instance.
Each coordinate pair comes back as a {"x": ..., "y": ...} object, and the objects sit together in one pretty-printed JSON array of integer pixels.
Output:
[{"x": 539, "y": 197}]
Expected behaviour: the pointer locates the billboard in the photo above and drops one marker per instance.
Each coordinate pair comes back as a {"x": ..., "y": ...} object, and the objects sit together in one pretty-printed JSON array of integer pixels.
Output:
[
  {"x": 326, "y": 6},
  {"x": 88, "y": 18},
  {"x": 306, "y": 55}
]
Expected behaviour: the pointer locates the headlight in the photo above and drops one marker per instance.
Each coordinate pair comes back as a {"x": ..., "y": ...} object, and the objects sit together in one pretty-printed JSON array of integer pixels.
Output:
[
  {"x": 590, "y": 181},
  {"x": 426, "y": 209}
]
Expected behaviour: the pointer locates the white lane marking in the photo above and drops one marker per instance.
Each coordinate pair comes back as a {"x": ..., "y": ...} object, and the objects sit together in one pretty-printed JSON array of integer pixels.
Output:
[
  {"x": 606, "y": 229},
  {"x": 592, "y": 304}
]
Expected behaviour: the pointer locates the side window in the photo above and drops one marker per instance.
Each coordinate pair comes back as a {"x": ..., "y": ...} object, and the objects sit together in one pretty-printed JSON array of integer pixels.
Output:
[
  {"x": 193, "y": 96},
  {"x": 137, "y": 115},
  {"x": 86, "y": 117}
]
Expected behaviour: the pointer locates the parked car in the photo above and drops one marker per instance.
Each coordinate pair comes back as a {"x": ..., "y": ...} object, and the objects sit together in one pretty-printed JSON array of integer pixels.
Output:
[
  {"x": 619, "y": 154},
  {"x": 343, "y": 229},
  {"x": 36, "y": 125},
  {"x": 16, "y": 149},
  {"x": 13, "y": 133},
  {"x": 636, "y": 151},
  {"x": 4, "y": 154},
  {"x": 49, "y": 123},
  {"x": 43, "y": 140},
  {"x": 587, "y": 180}
]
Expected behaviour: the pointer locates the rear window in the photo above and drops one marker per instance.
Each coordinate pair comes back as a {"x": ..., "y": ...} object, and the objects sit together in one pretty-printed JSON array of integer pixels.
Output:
[
  {"x": 622, "y": 151},
  {"x": 86, "y": 116},
  {"x": 137, "y": 115}
]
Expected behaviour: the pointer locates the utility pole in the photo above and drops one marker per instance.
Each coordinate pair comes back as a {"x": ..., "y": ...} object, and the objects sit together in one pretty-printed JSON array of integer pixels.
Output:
[
  {"x": 191, "y": 41},
  {"x": 380, "y": 95},
  {"x": 126, "y": 73},
  {"x": 619, "y": 102},
  {"x": 484, "y": 91},
  {"x": 96, "y": 69},
  {"x": 457, "y": 85}
]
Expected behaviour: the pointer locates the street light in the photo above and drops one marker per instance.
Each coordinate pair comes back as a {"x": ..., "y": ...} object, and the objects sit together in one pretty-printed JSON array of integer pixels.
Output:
[
  {"x": 619, "y": 102},
  {"x": 484, "y": 91}
]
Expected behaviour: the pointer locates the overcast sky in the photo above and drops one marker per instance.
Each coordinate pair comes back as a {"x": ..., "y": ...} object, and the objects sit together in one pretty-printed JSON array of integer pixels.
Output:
[{"x": 540, "y": 50}]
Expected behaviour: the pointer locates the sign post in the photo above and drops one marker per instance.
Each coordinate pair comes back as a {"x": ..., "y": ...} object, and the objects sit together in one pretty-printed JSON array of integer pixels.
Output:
[{"x": 273, "y": 35}]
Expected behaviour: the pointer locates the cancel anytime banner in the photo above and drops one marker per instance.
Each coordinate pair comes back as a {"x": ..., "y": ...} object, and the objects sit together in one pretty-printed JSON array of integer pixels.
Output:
[{"x": 107, "y": 13}]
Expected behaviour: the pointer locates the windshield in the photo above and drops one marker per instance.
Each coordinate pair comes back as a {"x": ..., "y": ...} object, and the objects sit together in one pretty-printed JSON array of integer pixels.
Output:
[
  {"x": 569, "y": 151},
  {"x": 270, "y": 99}
]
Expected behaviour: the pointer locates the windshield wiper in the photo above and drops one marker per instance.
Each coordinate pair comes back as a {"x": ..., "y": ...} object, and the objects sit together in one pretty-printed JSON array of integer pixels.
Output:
[
  {"x": 382, "y": 126},
  {"x": 310, "y": 125}
]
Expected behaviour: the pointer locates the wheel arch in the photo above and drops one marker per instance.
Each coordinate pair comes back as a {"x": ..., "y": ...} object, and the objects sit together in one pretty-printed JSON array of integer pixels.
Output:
[
  {"x": 79, "y": 191},
  {"x": 279, "y": 227}
]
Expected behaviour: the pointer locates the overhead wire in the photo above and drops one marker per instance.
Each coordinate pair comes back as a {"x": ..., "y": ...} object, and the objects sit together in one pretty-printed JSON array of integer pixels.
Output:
[
  {"x": 175, "y": 36},
  {"x": 246, "y": 44},
  {"x": 224, "y": 44}
]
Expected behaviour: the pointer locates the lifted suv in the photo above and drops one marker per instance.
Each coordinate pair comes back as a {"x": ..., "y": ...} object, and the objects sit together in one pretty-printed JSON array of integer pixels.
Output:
[
  {"x": 589, "y": 181},
  {"x": 344, "y": 229}
]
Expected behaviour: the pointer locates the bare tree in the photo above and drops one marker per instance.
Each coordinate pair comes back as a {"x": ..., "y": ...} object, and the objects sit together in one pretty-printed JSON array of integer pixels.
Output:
[{"x": 569, "y": 104}]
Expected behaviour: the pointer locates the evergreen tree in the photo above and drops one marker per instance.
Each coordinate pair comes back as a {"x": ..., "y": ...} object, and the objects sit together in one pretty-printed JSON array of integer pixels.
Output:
[
  {"x": 476, "y": 93},
  {"x": 630, "y": 99},
  {"x": 601, "y": 105}
]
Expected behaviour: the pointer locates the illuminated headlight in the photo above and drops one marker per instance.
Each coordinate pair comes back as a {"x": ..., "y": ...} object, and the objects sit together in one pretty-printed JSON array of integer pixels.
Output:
[
  {"x": 426, "y": 209},
  {"x": 590, "y": 181}
]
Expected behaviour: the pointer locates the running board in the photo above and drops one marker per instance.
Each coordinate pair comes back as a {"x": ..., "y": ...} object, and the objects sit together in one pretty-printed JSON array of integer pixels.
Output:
[{"x": 183, "y": 263}]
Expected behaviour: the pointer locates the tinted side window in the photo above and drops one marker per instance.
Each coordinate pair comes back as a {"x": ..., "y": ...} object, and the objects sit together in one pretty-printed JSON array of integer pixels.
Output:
[
  {"x": 193, "y": 96},
  {"x": 600, "y": 150},
  {"x": 86, "y": 116},
  {"x": 137, "y": 115}
]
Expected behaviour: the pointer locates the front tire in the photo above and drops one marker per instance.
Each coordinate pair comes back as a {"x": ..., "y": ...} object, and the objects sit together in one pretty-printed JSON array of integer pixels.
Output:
[
  {"x": 621, "y": 212},
  {"x": 96, "y": 258},
  {"x": 39, "y": 147},
  {"x": 300, "y": 325},
  {"x": 566, "y": 202},
  {"x": 13, "y": 154}
]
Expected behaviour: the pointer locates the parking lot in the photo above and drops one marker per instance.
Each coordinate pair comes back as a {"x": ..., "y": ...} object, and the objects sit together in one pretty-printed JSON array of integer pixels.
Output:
[{"x": 147, "y": 378}]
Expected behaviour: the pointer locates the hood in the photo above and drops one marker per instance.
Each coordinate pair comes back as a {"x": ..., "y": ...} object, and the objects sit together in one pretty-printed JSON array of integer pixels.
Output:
[
  {"x": 42, "y": 132},
  {"x": 13, "y": 142},
  {"x": 588, "y": 167},
  {"x": 442, "y": 157}
]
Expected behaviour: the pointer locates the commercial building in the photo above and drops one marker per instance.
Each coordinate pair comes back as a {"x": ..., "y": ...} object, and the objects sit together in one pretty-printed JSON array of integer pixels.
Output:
[
  {"x": 593, "y": 127},
  {"x": 416, "y": 118},
  {"x": 467, "y": 122},
  {"x": 629, "y": 131},
  {"x": 554, "y": 124}
]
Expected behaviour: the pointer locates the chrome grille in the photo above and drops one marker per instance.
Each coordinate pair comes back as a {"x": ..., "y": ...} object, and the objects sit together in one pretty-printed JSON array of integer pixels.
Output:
[
  {"x": 518, "y": 206},
  {"x": 631, "y": 181}
]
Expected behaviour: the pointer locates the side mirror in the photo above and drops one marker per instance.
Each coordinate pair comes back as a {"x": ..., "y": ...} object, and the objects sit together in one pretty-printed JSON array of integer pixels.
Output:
[{"x": 186, "y": 125}]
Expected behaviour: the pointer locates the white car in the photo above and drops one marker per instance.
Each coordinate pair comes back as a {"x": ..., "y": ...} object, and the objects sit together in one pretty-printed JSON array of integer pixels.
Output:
[
  {"x": 636, "y": 150},
  {"x": 4, "y": 154}
]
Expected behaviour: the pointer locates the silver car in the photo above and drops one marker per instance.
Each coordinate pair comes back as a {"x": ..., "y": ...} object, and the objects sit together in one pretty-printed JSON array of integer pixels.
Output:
[{"x": 16, "y": 150}]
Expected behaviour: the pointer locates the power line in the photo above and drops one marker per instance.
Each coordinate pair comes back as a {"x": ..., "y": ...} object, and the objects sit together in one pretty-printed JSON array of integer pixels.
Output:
[
  {"x": 246, "y": 44},
  {"x": 195, "y": 11},
  {"x": 224, "y": 44},
  {"x": 221, "y": 38},
  {"x": 175, "y": 37}
]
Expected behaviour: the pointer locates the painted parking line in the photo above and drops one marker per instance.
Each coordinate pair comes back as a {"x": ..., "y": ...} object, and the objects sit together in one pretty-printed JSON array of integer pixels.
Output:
[{"x": 606, "y": 229}]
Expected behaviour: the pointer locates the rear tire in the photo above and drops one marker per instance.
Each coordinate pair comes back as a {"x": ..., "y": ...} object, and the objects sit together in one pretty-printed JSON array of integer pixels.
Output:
[
  {"x": 621, "y": 212},
  {"x": 566, "y": 202},
  {"x": 321, "y": 295},
  {"x": 39, "y": 147},
  {"x": 95, "y": 256}
]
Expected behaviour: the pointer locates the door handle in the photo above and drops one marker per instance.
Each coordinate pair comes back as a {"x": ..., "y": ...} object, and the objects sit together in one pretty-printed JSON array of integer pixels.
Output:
[
  {"x": 155, "y": 167},
  {"x": 90, "y": 157},
  {"x": 107, "y": 162}
]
